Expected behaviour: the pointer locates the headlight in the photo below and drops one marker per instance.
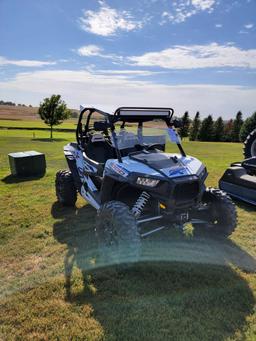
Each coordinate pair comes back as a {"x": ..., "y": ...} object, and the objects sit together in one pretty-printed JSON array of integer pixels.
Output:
[
  {"x": 147, "y": 182},
  {"x": 203, "y": 173}
]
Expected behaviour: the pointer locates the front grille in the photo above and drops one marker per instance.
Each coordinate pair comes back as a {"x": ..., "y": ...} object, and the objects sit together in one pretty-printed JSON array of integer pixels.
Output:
[{"x": 184, "y": 192}]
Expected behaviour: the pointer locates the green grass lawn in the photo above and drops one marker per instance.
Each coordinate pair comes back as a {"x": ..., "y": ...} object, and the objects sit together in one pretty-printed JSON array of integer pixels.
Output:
[
  {"x": 182, "y": 288},
  {"x": 37, "y": 123}
]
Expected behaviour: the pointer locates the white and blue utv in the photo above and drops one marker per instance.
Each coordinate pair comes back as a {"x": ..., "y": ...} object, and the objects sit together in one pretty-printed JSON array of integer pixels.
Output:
[{"x": 131, "y": 181}]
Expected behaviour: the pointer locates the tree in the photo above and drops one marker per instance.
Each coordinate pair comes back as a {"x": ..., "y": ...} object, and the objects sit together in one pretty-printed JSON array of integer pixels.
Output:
[
  {"x": 7, "y": 103},
  {"x": 248, "y": 126},
  {"x": 228, "y": 130},
  {"x": 194, "y": 130},
  {"x": 218, "y": 130},
  {"x": 53, "y": 111},
  {"x": 238, "y": 122},
  {"x": 185, "y": 125},
  {"x": 206, "y": 130}
]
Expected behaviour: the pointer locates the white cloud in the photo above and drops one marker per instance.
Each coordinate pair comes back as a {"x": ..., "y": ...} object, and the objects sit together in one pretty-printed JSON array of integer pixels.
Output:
[
  {"x": 108, "y": 92},
  {"x": 203, "y": 5},
  {"x": 182, "y": 57},
  {"x": 96, "y": 51},
  {"x": 181, "y": 10},
  {"x": 125, "y": 73},
  {"x": 24, "y": 62},
  {"x": 249, "y": 26},
  {"x": 89, "y": 50},
  {"x": 218, "y": 25},
  {"x": 198, "y": 56},
  {"x": 107, "y": 21},
  {"x": 243, "y": 32}
]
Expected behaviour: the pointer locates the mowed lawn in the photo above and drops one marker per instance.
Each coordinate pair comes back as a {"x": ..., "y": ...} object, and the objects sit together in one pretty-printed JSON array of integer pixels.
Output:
[
  {"x": 182, "y": 288},
  {"x": 36, "y": 123}
]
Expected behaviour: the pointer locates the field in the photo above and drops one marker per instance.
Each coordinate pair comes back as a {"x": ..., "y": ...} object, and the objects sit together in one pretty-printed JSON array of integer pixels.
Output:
[
  {"x": 183, "y": 288},
  {"x": 26, "y": 117},
  {"x": 18, "y": 112}
]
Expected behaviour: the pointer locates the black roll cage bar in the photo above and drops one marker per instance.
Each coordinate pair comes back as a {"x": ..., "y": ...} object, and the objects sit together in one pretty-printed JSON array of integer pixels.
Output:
[{"x": 111, "y": 119}]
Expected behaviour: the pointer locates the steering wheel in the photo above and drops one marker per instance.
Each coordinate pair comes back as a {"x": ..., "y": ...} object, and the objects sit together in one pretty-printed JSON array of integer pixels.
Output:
[{"x": 154, "y": 146}]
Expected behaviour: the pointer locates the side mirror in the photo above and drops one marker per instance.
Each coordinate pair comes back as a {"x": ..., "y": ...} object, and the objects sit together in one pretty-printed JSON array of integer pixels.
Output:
[{"x": 100, "y": 125}]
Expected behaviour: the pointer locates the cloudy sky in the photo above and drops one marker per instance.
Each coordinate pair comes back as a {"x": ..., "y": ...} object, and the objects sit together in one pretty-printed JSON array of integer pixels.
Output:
[{"x": 187, "y": 54}]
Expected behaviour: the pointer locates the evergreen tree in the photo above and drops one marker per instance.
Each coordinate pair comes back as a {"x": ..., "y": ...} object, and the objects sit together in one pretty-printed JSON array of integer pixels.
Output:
[
  {"x": 53, "y": 111},
  {"x": 248, "y": 126},
  {"x": 238, "y": 122},
  {"x": 194, "y": 130},
  {"x": 206, "y": 130},
  {"x": 183, "y": 131},
  {"x": 228, "y": 131},
  {"x": 218, "y": 128}
]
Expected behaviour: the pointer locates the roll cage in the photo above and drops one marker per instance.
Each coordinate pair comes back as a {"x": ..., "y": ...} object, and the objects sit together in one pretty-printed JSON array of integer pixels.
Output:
[{"x": 123, "y": 114}]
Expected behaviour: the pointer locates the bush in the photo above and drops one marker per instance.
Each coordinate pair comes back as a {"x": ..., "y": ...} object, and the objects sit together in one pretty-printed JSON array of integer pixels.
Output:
[
  {"x": 228, "y": 129},
  {"x": 248, "y": 126},
  {"x": 238, "y": 122},
  {"x": 206, "y": 131},
  {"x": 195, "y": 127},
  {"x": 184, "y": 130},
  {"x": 218, "y": 130}
]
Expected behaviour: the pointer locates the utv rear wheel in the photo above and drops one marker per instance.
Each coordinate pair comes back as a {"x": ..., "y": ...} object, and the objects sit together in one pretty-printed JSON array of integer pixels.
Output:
[
  {"x": 117, "y": 233},
  {"x": 65, "y": 188},
  {"x": 250, "y": 145},
  {"x": 220, "y": 213}
]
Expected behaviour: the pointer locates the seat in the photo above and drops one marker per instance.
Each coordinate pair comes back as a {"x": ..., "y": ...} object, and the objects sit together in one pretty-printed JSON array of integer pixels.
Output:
[
  {"x": 250, "y": 164},
  {"x": 238, "y": 176},
  {"x": 99, "y": 150}
]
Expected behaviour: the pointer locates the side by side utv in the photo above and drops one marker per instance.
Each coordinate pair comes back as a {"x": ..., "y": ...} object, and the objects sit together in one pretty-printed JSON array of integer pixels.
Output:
[
  {"x": 239, "y": 180},
  {"x": 131, "y": 181}
]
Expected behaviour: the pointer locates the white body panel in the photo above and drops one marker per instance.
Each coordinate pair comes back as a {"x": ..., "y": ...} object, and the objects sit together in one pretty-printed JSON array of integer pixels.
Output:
[{"x": 185, "y": 166}]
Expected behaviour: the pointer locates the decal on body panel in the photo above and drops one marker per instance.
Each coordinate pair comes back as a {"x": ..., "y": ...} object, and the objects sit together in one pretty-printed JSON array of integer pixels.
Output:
[
  {"x": 178, "y": 171},
  {"x": 118, "y": 169},
  {"x": 89, "y": 197},
  {"x": 82, "y": 166}
]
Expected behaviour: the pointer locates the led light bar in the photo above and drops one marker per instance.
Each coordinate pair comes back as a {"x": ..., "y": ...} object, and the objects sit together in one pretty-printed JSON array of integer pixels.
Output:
[{"x": 144, "y": 112}]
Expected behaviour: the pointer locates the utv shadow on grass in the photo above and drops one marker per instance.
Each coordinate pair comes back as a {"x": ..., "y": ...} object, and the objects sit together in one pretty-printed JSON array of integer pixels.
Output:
[
  {"x": 169, "y": 301},
  {"x": 180, "y": 289},
  {"x": 11, "y": 179}
]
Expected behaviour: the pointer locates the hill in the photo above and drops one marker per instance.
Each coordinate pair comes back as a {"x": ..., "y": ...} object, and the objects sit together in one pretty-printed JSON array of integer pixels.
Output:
[
  {"x": 20, "y": 113},
  {"x": 10, "y": 112}
]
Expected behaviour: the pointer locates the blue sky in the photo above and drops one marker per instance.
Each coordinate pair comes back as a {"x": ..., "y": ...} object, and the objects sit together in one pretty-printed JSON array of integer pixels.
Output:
[{"x": 188, "y": 54}]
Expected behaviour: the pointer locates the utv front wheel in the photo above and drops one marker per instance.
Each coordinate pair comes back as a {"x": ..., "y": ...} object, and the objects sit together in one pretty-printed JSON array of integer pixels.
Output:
[
  {"x": 65, "y": 188},
  {"x": 219, "y": 211},
  {"x": 250, "y": 145},
  {"x": 117, "y": 233}
]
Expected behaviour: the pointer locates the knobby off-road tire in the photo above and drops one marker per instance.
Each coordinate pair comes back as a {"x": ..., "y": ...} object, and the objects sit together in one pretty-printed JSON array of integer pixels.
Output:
[
  {"x": 65, "y": 188},
  {"x": 221, "y": 214},
  {"x": 117, "y": 233},
  {"x": 250, "y": 145}
]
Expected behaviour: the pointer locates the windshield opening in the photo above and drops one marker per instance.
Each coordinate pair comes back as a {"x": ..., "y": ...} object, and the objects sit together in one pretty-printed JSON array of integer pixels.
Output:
[{"x": 148, "y": 133}]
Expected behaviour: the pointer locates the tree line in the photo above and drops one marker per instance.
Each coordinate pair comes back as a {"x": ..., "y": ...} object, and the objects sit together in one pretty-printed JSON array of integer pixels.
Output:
[
  {"x": 53, "y": 111},
  {"x": 233, "y": 130},
  {"x": 14, "y": 104}
]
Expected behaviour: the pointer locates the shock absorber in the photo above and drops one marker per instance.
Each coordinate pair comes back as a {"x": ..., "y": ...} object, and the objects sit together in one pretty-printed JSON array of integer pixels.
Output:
[{"x": 140, "y": 204}]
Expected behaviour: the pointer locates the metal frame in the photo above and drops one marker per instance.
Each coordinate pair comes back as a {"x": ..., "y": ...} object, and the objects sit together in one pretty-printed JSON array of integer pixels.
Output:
[
  {"x": 113, "y": 118},
  {"x": 170, "y": 111}
]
